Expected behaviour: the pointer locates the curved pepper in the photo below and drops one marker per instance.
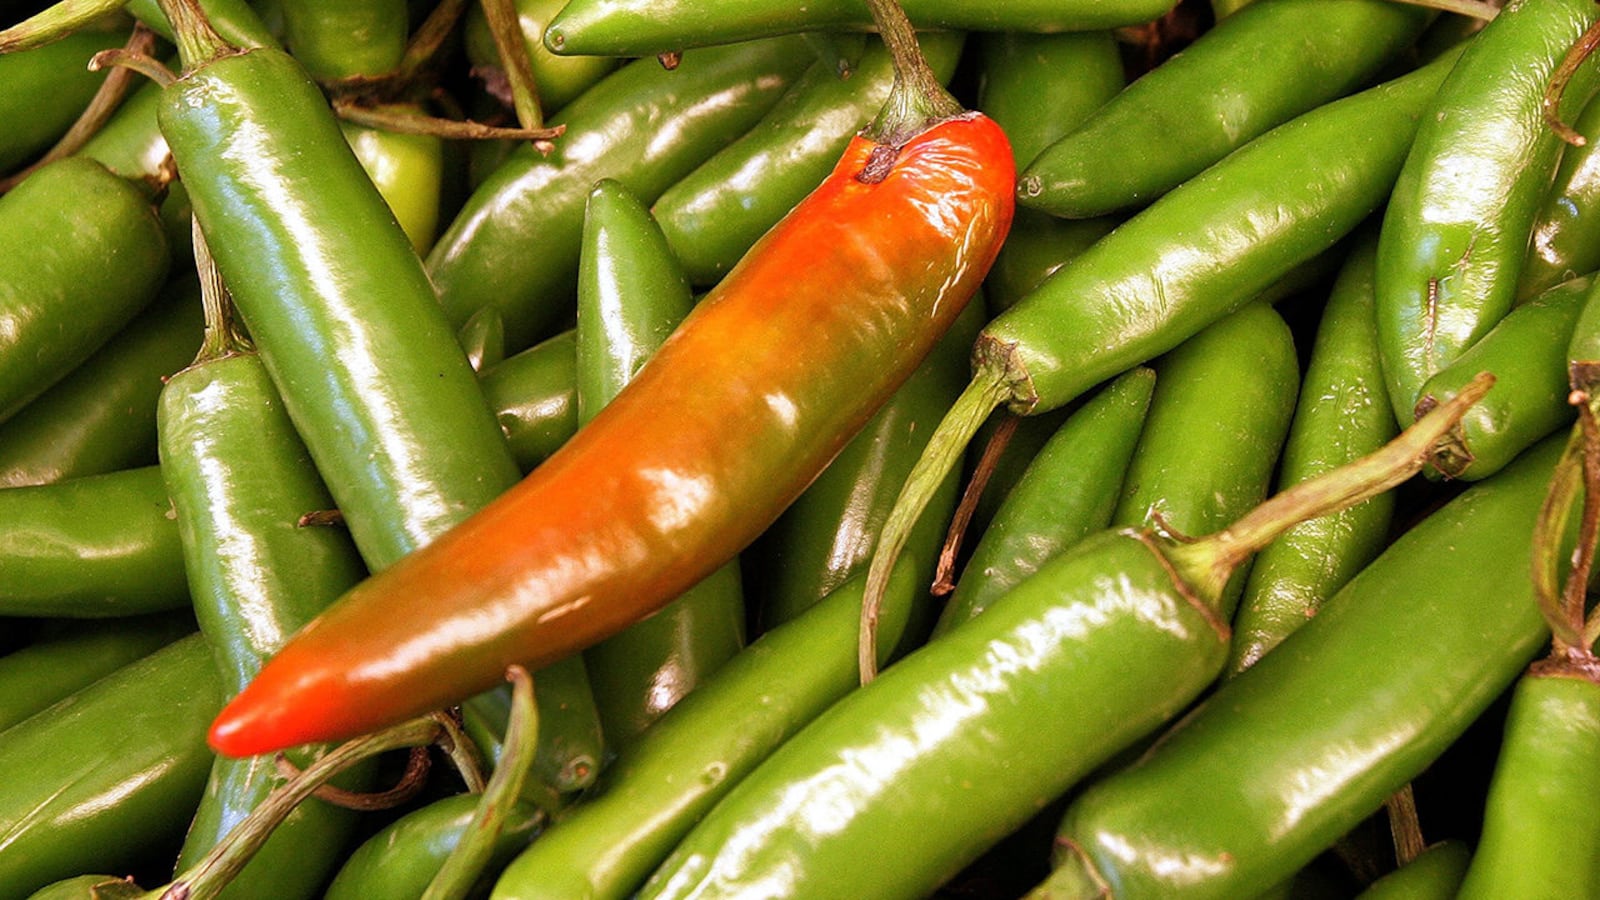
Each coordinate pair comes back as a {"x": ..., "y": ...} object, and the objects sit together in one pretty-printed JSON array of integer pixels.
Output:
[{"x": 872, "y": 268}]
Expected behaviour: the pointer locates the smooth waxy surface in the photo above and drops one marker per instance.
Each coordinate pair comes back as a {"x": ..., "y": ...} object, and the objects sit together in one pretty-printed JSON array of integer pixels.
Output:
[
  {"x": 84, "y": 252},
  {"x": 46, "y": 88},
  {"x": 900, "y": 784},
  {"x": 1455, "y": 232},
  {"x": 486, "y": 256},
  {"x": 1206, "y": 248},
  {"x": 1342, "y": 415},
  {"x": 398, "y": 862},
  {"x": 1539, "y": 838},
  {"x": 638, "y": 506},
  {"x": 1306, "y": 743},
  {"x": 337, "y": 303}
]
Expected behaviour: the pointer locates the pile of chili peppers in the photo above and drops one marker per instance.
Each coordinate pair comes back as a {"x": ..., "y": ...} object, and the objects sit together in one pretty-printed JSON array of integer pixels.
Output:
[{"x": 673, "y": 448}]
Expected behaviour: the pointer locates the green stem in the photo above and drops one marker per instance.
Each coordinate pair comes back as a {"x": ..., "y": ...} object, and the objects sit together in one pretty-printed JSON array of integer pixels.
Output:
[
  {"x": 1206, "y": 564},
  {"x": 429, "y": 38},
  {"x": 198, "y": 43},
  {"x": 54, "y": 23},
  {"x": 506, "y": 30},
  {"x": 917, "y": 98},
  {"x": 223, "y": 335},
  {"x": 465, "y": 864},
  {"x": 209, "y": 876},
  {"x": 982, "y": 396}
]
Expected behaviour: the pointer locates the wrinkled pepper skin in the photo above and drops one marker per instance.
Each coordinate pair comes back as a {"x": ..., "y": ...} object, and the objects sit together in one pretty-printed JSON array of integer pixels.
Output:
[{"x": 641, "y": 505}]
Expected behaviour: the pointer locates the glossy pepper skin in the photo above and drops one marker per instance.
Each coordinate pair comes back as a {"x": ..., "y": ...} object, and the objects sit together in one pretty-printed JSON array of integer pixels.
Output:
[
  {"x": 78, "y": 655},
  {"x": 648, "y": 27},
  {"x": 1565, "y": 241},
  {"x": 83, "y": 253},
  {"x": 892, "y": 790},
  {"x": 1307, "y": 742},
  {"x": 1527, "y": 352},
  {"x": 102, "y": 417},
  {"x": 1536, "y": 841},
  {"x": 1066, "y": 494},
  {"x": 240, "y": 478},
  {"x": 638, "y": 506},
  {"x": 716, "y": 212},
  {"x": 1456, "y": 230},
  {"x": 398, "y": 862},
  {"x": 825, "y": 537},
  {"x": 108, "y": 773},
  {"x": 337, "y": 302},
  {"x": 1193, "y": 110},
  {"x": 93, "y": 547},
  {"x": 46, "y": 89},
  {"x": 632, "y": 294},
  {"x": 1435, "y": 875},
  {"x": 1343, "y": 414},
  {"x": 605, "y": 847},
  {"x": 514, "y": 245},
  {"x": 1217, "y": 420}
]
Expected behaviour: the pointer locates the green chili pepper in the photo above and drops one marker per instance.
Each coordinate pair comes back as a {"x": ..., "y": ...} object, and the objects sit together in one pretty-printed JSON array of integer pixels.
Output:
[
  {"x": 1435, "y": 875},
  {"x": 649, "y": 27},
  {"x": 336, "y": 300},
  {"x": 83, "y": 253},
  {"x": 341, "y": 40},
  {"x": 560, "y": 79},
  {"x": 1537, "y": 841},
  {"x": 713, "y": 216},
  {"x": 46, "y": 90},
  {"x": 1565, "y": 241},
  {"x": 1456, "y": 230},
  {"x": 882, "y": 796},
  {"x": 534, "y": 396},
  {"x": 240, "y": 479},
  {"x": 1039, "y": 88},
  {"x": 130, "y": 144},
  {"x": 571, "y": 745},
  {"x": 108, "y": 773},
  {"x": 234, "y": 20},
  {"x": 1202, "y": 251},
  {"x": 76, "y": 656},
  {"x": 407, "y": 169},
  {"x": 105, "y": 545},
  {"x": 1343, "y": 414},
  {"x": 631, "y": 295},
  {"x": 1194, "y": 109},
  {"x": 1217, "y": 420},
  {"x": 825, "y": 537},
  {"x": 102, "y": 417},
  {"x": 1527, "y": 352},
  {"x": 660, "y": 786},
  {"x": 1068, "y": 492},
  {"x": 398, "y": 862},
  {"x": 484, "y": 258},
  {"x": 1307, "y": 742}
]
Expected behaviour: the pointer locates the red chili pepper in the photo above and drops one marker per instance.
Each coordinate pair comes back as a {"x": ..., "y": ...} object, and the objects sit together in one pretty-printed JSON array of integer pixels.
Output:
[{"x": 739, "y": 410}]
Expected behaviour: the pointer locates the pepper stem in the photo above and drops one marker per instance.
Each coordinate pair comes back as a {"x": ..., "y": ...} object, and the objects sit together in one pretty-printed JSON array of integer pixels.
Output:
[
  {"x": 1207, "y": 563},
  {"x": 54, "y": 23},
  {"x": 465, "y": 864},
  {"x": 235, "y": 851},
  {"x": 198, "y": 42},
  {"x": 982, "y": 396},
  {"x": 506, "y": 30},
  {"x": 917, "y": 98},
  {"x": 223, "y": 336}
]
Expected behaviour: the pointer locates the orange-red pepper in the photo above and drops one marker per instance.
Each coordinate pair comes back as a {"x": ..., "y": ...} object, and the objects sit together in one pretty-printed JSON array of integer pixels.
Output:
[{"x": 739, "y": 410}]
